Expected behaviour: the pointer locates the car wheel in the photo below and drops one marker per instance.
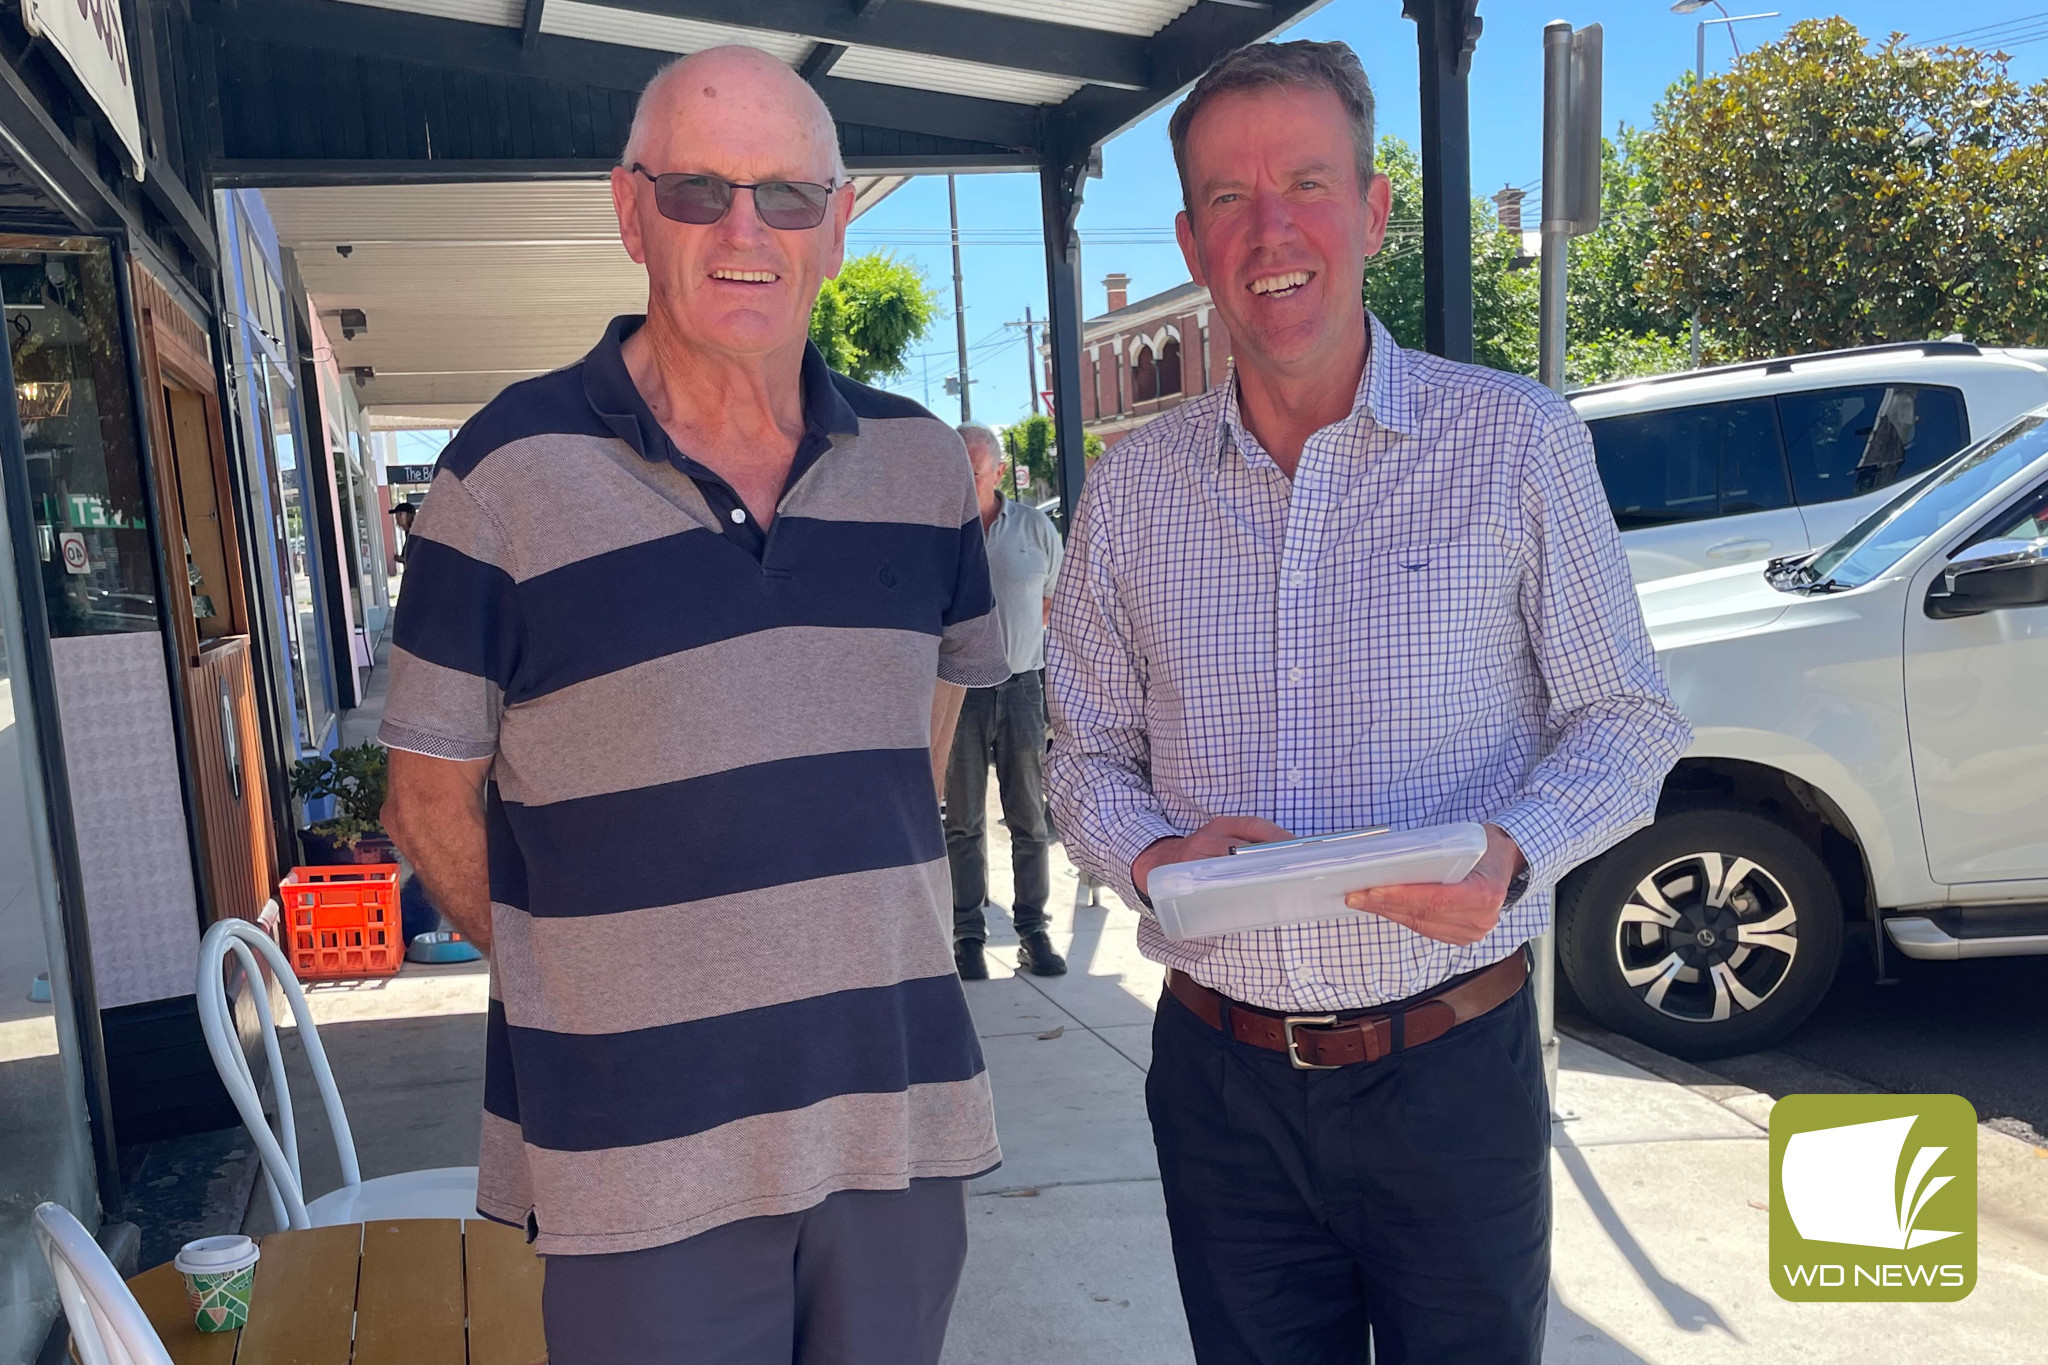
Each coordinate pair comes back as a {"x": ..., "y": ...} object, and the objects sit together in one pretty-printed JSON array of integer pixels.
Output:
[{"x": 1714, "y": 931}]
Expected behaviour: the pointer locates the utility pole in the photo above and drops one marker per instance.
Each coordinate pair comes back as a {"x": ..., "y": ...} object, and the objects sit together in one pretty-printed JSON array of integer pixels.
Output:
[
  {"x": 1030, "y": 351},
  {"x": 959, "y": 302}
]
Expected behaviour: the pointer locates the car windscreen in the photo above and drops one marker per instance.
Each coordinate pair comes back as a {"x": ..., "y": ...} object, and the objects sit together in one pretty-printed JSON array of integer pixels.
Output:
[{"x": 1884, "y": 537}]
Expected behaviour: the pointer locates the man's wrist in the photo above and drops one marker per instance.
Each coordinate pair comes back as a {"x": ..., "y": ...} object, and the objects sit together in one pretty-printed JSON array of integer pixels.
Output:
[{"x": 1149, "y": 858}]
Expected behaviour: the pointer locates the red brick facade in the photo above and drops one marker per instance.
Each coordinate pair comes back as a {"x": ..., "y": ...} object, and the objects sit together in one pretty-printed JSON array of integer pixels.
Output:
[{"x": 1144, "y": 358}]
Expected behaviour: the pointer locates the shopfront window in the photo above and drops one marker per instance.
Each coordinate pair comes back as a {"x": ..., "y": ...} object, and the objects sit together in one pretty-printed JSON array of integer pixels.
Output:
[
  {"x": 45, "y": 1150},
  {"x": 295, "y": 555},
  {"x": 78, "y": 432}
]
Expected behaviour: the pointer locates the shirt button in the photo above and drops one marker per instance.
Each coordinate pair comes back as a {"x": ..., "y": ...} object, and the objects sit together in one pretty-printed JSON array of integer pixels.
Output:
[
  {"x": 1294, "y": 775},
  {"x": 1294, "y": 675},
  {"x": 739, "y": 515},
  {"x": 1297, "y": 579}
]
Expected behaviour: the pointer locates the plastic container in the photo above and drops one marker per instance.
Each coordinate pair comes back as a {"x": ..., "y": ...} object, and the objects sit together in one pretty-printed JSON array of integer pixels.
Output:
[
  {"x": 1296, "y": 881},
  {"x": 342, "y": 921}
]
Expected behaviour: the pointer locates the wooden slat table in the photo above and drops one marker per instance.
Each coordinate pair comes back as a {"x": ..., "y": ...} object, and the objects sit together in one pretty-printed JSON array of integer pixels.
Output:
[{"x": 425, "y": 1291}]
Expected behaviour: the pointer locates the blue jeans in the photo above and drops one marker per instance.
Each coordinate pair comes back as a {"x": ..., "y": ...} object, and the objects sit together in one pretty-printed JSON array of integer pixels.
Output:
[{"x": 1403, "y": 1202}]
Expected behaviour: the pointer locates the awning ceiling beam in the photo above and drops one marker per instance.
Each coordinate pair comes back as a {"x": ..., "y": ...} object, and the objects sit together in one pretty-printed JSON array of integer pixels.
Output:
[
  {"x": 366, "y": 31},
  {"x": 964, "y": 35}
]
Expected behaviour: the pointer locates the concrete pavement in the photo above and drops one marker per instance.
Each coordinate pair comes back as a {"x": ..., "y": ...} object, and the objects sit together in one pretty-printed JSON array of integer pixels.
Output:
[{"x": 1660, "y": 1181}]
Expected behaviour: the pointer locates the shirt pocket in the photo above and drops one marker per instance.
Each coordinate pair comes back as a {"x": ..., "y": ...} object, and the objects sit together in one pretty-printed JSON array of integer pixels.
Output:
[{"x": 1436, "y": 632}]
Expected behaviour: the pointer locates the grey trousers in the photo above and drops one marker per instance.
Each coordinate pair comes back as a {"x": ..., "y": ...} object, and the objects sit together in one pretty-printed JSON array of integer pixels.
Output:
[{"x": 864, "y": 1278}]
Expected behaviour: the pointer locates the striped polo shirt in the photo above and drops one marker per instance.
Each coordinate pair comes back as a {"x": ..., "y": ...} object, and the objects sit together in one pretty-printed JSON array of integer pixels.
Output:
[{"x": 722, "y": 985}]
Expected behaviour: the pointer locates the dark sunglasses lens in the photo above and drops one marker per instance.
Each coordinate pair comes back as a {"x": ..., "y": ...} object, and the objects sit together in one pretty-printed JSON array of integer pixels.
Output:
[
  {"x": 698, "y": 199},
  {"x": 791, "y": 204}
]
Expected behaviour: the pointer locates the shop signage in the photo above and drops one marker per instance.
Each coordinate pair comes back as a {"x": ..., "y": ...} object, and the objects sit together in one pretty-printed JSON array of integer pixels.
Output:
[
  {"x": 88, "y": 510},
  {"x": 76, "y": 560},
  {"x": 410, "y": 473},
  {"x": 90, "y": 35}
]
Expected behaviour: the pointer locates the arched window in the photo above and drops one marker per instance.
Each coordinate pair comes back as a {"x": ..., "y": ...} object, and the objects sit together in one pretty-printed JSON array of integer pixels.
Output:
[
  {"x": 1169, "y": 367},
  {"x": 1144, "y": 376}
]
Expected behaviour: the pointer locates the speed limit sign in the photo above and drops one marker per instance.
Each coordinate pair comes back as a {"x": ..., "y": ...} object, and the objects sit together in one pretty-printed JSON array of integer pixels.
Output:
[{"x": 72, "y": 545}]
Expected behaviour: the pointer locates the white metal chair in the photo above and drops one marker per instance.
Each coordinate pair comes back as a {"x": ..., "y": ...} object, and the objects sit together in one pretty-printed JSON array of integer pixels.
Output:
[
  {"x": 108, "y": 1327},
  {"x": 446, "y": 1192}
]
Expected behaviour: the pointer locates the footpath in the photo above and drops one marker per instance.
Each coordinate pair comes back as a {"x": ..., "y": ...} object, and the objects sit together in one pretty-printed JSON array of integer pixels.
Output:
[{"x": 1659, "y": 1170}]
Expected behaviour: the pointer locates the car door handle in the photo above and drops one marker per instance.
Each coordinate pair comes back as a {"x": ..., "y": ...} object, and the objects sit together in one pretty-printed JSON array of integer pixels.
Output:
[{"x": 1734, "y": 551}]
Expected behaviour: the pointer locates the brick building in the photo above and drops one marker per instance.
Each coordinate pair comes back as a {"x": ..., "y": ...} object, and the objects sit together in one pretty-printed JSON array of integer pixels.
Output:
[{"x": 1140, "y": 359}]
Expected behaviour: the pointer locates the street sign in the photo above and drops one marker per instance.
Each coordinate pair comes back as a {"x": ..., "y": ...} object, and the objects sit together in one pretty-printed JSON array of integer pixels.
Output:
[
  {"x": 409, "y": 473},
  {"x": 92, "y": 39},
  {"x": 76, "y": 558}
]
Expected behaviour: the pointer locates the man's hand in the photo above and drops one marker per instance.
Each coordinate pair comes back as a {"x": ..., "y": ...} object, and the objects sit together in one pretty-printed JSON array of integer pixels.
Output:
[
  {"x": 1462, "y": 913},
  {"x": 1212, "y": 840}
]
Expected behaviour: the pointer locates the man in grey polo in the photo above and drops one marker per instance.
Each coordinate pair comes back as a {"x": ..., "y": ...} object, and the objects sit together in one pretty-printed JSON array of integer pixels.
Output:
[{"x": 1005, "y": 725}]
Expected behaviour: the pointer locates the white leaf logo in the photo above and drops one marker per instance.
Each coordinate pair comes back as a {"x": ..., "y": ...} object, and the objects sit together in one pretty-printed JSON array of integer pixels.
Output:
[{"x": 1842, "y": 1185}]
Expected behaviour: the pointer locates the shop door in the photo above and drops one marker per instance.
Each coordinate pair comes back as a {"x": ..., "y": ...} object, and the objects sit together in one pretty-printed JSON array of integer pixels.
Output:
[{"x": 212, "y": 614}]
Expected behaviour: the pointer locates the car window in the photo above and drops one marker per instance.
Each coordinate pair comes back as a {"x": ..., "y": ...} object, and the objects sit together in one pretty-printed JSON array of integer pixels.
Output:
[
  {"x": 1687, "y": 464},
  {"x": 1885, "y": 537},
  {"x": 2030, "y": 522},
  {"x": 1843, "y": 443}
]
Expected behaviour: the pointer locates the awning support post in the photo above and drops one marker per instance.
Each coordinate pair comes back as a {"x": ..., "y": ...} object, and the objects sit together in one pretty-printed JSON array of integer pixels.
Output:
[
  {"x": 1445, "y": 33},
  {"x": 1060, "y": 182}
]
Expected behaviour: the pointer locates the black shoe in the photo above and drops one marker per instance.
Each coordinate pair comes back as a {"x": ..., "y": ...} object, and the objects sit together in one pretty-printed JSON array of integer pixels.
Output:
[
  {"x": 1036, "y": 956},
  {"x": 968, "y": 960}
]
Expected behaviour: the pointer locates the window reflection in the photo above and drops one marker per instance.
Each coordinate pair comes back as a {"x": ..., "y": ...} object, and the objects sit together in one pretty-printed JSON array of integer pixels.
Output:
[{"x": 78, "y": 432}]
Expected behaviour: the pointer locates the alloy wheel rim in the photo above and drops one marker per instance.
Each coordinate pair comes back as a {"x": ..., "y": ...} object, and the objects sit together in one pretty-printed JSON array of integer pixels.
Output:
[{"x": 1707, "y": 936}]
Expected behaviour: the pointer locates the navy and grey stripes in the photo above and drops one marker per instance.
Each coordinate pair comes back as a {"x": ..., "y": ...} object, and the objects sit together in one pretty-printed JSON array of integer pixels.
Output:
[{"x": 697, "y": 753}]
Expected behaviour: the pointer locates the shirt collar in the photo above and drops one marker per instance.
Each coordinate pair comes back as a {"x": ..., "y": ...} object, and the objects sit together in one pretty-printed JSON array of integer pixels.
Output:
[
  {"x": 1386, "y": 394},
  {"x": 610, "y": 390}
]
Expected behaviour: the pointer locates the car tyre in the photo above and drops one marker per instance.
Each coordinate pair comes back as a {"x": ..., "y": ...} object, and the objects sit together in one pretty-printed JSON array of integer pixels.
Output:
[{"x": 1651, "y": 956}]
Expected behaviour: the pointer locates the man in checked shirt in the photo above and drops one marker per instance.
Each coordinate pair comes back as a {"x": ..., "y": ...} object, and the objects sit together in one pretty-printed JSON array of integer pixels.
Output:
[{"x": 1354, "y": 586}]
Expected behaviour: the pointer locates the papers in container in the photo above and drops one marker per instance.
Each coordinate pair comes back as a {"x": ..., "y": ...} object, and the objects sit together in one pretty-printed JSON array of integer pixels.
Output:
[{"x": 1260, "y": 886}]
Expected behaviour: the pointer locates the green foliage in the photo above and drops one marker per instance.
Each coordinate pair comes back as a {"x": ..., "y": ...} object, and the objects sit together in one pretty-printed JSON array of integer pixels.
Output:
[
  {"x": 1826, "y": 193},
  {"x": 1029, "y": 443},
  {"x": 356, "y": 779},
  {"x": 1603, "y": 281},
  {"x": 866, "y": 320},
  {"x": 1623, "y": 355},
  {"x": 1033, "y": 444},
  {"x": 1503, "y": 299}
]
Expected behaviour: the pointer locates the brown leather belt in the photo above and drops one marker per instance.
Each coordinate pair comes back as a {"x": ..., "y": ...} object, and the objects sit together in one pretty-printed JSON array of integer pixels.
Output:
[{"x": 1324, "y": 1042}]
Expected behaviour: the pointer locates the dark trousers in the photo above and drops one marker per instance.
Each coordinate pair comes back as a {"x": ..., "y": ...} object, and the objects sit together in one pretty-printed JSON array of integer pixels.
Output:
[
  {"x": 1005, "y": 725},
  {"x": 1404, "y": 1201},
  {"x": 865, "y": 1278}
]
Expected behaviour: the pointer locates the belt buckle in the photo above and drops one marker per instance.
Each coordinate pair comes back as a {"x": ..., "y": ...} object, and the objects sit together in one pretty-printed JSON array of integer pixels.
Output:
[{"x": 1294, "y": 1021}]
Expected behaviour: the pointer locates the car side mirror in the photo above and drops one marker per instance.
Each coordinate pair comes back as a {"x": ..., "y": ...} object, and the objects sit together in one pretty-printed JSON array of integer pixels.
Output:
[{"x": 1995, "y": 575}]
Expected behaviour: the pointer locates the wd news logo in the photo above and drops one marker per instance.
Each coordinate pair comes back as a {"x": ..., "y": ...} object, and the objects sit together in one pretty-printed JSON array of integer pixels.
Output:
[{"x": 1873, "y": 1198}]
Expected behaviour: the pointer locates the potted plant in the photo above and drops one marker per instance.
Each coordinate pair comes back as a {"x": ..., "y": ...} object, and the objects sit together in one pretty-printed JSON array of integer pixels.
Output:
[{"x": 355, "y": 778}]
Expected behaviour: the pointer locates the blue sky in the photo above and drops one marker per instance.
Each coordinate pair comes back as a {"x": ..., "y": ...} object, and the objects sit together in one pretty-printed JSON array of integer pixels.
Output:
[{"x": 1130, "y": 210}]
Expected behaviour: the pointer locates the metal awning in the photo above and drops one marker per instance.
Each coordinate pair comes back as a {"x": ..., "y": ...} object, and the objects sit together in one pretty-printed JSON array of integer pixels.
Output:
[
  {"x": 345, "y": 95},
  {"x": 464, "y": 288}
]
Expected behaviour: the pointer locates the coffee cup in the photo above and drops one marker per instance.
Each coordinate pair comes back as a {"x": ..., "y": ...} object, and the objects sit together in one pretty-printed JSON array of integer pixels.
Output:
[{"x": 219, "y": 1272}]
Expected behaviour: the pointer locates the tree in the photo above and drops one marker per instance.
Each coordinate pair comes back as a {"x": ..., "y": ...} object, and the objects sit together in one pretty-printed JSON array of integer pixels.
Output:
[
  {"x": 1503, "y": 298},
  {"x": 1826, "y": 193},
  {"x": 867, "y": 319},
  {"x": 1033, "y": 444}
]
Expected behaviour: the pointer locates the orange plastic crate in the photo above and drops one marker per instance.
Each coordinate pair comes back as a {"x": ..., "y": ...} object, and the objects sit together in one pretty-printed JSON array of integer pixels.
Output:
[{"x": 342, "y": 921}]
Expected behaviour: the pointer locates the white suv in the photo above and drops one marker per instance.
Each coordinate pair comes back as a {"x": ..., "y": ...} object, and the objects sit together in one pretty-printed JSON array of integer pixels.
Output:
[
  {"x": 1870, "y": 741},
  {"x": 1745, "y": 463}
]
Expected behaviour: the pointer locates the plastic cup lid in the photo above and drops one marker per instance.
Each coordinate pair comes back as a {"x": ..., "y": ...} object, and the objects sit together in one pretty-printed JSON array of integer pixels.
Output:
[{"x": 216, "y": 1255}]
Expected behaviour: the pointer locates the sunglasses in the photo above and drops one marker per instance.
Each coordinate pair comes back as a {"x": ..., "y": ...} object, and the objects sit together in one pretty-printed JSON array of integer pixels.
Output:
[{"x": 691, "y": 197}]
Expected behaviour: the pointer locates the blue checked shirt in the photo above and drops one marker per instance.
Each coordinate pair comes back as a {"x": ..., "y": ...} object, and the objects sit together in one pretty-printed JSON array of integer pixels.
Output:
[{"x": 1434, "y": 622}]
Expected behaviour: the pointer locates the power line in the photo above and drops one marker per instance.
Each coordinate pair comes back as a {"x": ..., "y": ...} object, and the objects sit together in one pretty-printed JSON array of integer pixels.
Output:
[{"x": 1989, "y": 33}]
